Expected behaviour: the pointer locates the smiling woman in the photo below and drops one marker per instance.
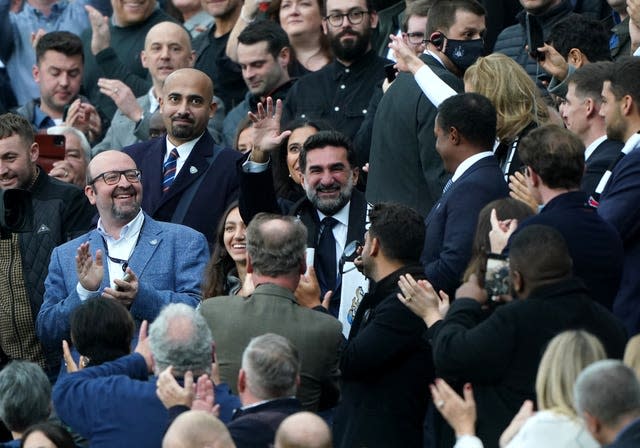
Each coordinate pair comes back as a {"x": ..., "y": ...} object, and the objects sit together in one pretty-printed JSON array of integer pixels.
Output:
[{"x": 227, "y": 269}]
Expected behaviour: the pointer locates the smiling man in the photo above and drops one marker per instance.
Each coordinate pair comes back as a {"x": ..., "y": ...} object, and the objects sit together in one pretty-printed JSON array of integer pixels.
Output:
[
  {"x": 167, "y": 48},
  {"x": 188, "y": 178},
  {"x": 263, "y": 54},
  {"x": 61, "y": 212},
  {"x": 131, "y": 258}
]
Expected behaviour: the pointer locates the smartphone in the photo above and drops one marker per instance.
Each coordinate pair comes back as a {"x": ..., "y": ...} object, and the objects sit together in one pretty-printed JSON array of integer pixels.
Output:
[
  {"x": 390, "y": 72},
  {"x": 535, "y": 37},
  {"x": 126, "y": 278},
  {"x": 496, "y": 278},
  {"x": 51, "y": 149}
]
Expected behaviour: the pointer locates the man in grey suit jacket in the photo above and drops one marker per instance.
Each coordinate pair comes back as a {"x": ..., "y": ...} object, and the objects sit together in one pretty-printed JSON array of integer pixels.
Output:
[
  {"x": 142, "y": 263},
  {"x": 276, "y": 258}
]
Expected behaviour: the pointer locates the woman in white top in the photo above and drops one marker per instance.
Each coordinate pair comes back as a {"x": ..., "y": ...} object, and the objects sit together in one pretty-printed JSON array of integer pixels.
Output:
[{"x": 556, "y": 424}]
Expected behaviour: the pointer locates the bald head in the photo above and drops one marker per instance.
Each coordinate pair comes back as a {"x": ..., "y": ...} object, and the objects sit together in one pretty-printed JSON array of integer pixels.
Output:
[
  {"x": 167, "y": 48},
  {"x": 197, "y": 429},
  {"x": 186, "y": 104},
  {"x": 303, "y": 430}
]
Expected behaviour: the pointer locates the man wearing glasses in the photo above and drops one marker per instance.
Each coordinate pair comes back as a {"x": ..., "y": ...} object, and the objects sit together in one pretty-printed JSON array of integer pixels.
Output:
[
  {"x": 142, "y": 263},
  {"x": 340, "y": 92}
]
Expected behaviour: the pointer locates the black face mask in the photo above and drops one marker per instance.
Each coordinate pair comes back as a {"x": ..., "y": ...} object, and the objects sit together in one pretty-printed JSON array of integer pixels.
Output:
[{"x": 463, "y": 53}]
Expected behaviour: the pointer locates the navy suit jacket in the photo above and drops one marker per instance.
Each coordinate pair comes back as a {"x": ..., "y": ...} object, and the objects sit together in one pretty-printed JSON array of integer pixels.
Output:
[
  {"x": 451, "y": 223},
  {"x": 629, "y": 437},
  {"x": 168, "y": 260},
  {"x": 256, "y": 427},
  {"x": 620, "y": 206},
  {"x": 207, "y": 198},
  {"x": 598, "y": 162},
  {"x": 594, "y": 245}
]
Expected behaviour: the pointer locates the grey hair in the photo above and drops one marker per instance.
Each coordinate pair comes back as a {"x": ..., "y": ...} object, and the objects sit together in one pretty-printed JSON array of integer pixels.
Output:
[
  {"x": 608, "y": 390},
  {"x": 180, "y": 337},
  {"x": 272, "y": 366},
  {"x": 84, "y": 143},
  {"x": 276, "y": 244},
  {"x": 25, "y": 395}
]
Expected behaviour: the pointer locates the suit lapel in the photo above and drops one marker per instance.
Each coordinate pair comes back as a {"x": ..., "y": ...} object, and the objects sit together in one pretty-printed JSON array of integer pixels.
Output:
[
  {"x": 152, "y": 173},
  {"x": 148, "y": 242}
]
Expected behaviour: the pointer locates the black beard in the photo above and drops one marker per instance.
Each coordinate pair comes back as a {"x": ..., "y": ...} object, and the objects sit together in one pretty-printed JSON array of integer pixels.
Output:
[{"x": 350, "y": 50}]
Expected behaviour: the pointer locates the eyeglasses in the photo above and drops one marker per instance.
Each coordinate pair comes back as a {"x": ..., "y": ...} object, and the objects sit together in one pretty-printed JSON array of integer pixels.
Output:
[
  {"x": 415, "y": 38},
  {"x": 113, "y": 177},
  {"x": 354, "y": 17}
]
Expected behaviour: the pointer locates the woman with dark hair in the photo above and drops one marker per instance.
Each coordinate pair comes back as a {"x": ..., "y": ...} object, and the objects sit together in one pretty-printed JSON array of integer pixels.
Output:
[
  {"x": 506, "y": 209},
  {"x": 226, "y": 272},
  {"x": 101, "y": 331},
  {"x": 46, "y": 435}
]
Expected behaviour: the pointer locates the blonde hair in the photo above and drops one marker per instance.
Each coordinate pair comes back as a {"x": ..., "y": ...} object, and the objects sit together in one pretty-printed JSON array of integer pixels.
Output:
[
  {"x": 512, "y": 92},
  {"x": 565, "y": 357},
  {"x": 632, "y": 354}
]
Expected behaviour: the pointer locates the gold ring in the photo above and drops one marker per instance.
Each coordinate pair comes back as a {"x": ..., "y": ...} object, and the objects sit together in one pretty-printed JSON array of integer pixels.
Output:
[{"x": 408, "y": 298}]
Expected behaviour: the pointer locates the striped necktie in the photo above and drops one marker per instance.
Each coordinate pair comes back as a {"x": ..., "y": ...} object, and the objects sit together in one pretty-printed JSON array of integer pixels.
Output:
[{"x": 169, "y": 169}]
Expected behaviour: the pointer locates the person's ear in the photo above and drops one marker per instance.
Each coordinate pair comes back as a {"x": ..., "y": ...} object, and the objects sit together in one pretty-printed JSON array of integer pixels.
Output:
[
  {"x": 517, "y": 281},
  {"x": 576, "y": 58},
  {"x": 143, "y": 59},
  {"x": 374, "y": 247},
  {"x": 284, "y": 57},
  {"x": 242, "y": 381},
  {"x": 249, "y": 264},
  {"x": 590, "y": 107},
  {"x": 454, "y": 136}
]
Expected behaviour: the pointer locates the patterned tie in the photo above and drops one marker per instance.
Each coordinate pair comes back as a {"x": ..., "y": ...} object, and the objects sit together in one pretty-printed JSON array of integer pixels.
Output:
[
  {"x": 325, "y": 263},
  {"x": 447, "y": 186},
  {"x": 169, "y": 169}
]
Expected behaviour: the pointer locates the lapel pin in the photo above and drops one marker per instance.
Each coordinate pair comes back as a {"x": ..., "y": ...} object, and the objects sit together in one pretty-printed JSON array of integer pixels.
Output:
[
  {"x": 153, "y": 242},
  {"x": 193, "y": 169}
]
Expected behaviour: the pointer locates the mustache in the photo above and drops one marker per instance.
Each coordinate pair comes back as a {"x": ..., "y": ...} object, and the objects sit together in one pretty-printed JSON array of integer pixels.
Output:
[
  {"x": 332, "y": 187},
  {"x": 121, "y": 190},
  {"x": 186, "y": 117},
  {"x": 348, "y": 31}
]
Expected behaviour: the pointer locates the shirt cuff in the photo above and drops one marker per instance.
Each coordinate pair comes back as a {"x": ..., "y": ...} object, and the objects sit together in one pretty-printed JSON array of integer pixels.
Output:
[
  {"x": 254, "y": 167},
  {"x": 84, "y": 293},
  {"x": 468, "y": 441}
]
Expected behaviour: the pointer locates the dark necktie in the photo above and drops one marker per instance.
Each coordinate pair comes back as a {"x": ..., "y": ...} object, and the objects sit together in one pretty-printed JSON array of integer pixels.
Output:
[
  {"x": 325, "y": 263},
  {"x": 169, "y": 170}
]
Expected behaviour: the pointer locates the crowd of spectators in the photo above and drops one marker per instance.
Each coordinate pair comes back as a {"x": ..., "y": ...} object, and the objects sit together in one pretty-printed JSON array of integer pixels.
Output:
[{"x": 319, "y": 223}]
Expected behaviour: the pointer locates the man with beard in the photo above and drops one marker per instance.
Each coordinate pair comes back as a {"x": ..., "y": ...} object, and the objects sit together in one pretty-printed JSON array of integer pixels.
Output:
[
  {"x": 188, "y": 178},
  {"x": 341, "y": 91},
  {"x": 141, "y": 263},
  {"x": 620, "y": 198},
  {"x": 405, "y": 166},
  {"x": 386, "y": 367},
  {"x": 333, "y": 211},
  {"x": 60, "y": 213}
]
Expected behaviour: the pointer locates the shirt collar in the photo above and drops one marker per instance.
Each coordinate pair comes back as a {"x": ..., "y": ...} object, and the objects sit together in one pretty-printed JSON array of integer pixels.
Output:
[
  {"x": 184, "y": 150},
  {"x": 40, "y": 119},
  {"x": 592, "y": 147},
  {"x": 360, "y": 64},
  {"x": 342, "y": 216},
  {"x": 153, "y": 101},
  {"x": 436, "y": 57},
  {"x": 464, "y": 166},
  {"x": 631, "y": 143},
  {"x": 129, "y": 230}
]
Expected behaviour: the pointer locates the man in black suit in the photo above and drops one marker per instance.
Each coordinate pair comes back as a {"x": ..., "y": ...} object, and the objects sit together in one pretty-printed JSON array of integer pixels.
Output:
[
  {"x": 500, "y": 354},
  {"x": 404, "y": 166},
  {"x": 465, "y": 130},
  {"x": 386, "y": 368},
  {"x": 330, "y": 172},
  {"x": 607, "y": 396},
  {"x": 580, "y": 111},
  {"x": 554, "y": 163},
  {"x": 187, "y": 178}
]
